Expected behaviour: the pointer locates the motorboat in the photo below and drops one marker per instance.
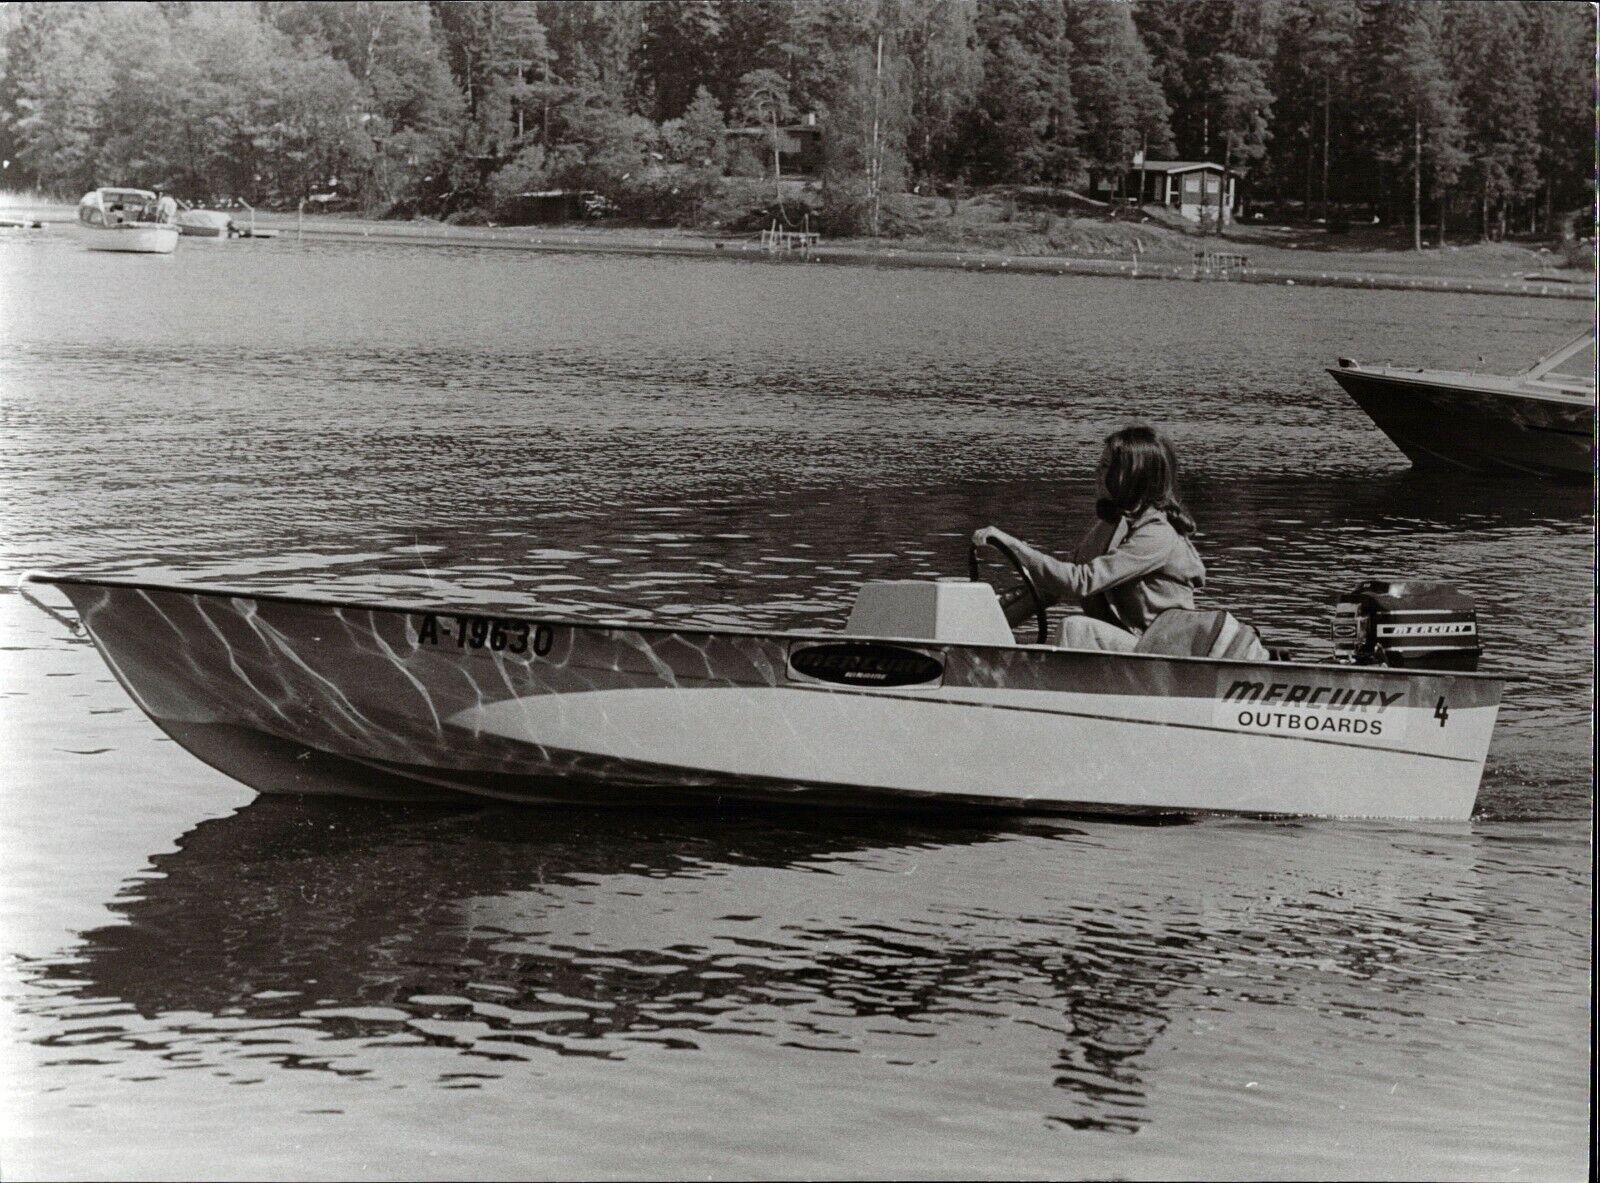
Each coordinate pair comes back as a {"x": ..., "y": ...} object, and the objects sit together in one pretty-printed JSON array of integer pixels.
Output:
[
  {"x": 205, "y": 223},
  {"x": 1539, "y": 422},
  {"x": 125, "y": 220},
  {"x": 926, "y": 698}
]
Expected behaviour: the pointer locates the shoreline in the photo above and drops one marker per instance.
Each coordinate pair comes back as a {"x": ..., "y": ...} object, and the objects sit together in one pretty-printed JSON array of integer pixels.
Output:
[
  {"x": 643, "y": 243},
  {"x": 621, "y": 242}
]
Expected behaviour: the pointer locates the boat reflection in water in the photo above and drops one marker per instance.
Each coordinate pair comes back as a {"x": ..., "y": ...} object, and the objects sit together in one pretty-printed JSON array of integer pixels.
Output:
[{"x": 365, "y": 939}]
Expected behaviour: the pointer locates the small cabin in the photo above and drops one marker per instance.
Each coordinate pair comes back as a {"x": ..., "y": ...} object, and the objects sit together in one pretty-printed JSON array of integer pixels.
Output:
[
  {"x": 799, "y": 147},
  {"x": 1190, "y": 187},
  {"x": 555, "y": 205}
]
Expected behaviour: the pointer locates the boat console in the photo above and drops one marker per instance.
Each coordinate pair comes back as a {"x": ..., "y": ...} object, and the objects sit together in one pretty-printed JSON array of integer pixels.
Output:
[{"x": 956, "y": 611}]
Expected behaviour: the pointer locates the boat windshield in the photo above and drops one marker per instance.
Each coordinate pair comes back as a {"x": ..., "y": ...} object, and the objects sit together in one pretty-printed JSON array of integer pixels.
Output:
[{"x": 1573, "y": 362}]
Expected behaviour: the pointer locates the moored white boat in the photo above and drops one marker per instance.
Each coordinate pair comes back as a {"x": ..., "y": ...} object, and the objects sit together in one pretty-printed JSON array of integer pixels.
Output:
[
  {"x": 125, "y": 220},
  {"x": 205, "y": 223},
  {"x": 941, "y": 708}
]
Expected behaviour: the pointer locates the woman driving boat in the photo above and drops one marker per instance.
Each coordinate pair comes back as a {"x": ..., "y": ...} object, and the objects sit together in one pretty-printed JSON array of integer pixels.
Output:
[{"x": 1135, "y": 562}]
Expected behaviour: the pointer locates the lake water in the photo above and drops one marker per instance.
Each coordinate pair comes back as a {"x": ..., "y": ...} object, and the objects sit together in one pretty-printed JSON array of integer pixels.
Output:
[{"x": 197, "y": 983}]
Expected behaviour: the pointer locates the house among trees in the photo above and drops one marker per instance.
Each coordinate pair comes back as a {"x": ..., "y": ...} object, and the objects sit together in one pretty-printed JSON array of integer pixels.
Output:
[
  {"x": 1473, "y": 119},
  {"x": 799, "y": 147},
  {"x": 1188, "y": 186}
]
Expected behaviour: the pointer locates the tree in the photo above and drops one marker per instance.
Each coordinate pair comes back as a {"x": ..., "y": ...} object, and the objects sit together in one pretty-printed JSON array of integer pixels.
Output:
[
  {"x": 678, "y": 51},
  {"x": 1244, "y": 108},
  {"x": 59, "y": 82},
  {"x": 939, "y": 43},
  {"x": 754, "y": 37},
  {"x": 867, "y": 121},
  {"x": 1312, "y": 74},
  {"x": 1421, "y": 128},
  {"x": 1488, "y": 48},
  {"x": 601, "y": 40},
  {"x": 763, "y": 101},
  {"x": 498, "y": 54},
  {"x": 410, "y": 108},
  {"x": 1023, "y": 122},
  {"x": 1561, "y": 55},
  {"x": 1121, "y": 108},
  {"x": 702, "y": 134}
]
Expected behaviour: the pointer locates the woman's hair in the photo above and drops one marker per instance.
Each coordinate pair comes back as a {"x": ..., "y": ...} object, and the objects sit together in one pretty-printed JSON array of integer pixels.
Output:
[{"x": 1140, "y": 471}]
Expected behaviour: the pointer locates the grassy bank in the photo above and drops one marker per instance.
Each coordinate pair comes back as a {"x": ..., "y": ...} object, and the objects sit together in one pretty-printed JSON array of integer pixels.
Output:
[{"x": 999, "y": 231}]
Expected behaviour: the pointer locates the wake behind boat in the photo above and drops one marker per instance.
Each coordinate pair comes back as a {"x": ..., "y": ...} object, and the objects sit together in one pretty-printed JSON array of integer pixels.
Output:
[
  {"x": 1540, "y": 422},
  {"x": 924, "y": 699}
]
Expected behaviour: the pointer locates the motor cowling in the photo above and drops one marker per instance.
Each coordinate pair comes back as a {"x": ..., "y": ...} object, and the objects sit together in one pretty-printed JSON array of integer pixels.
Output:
[{"x": 1410, "y": 625}]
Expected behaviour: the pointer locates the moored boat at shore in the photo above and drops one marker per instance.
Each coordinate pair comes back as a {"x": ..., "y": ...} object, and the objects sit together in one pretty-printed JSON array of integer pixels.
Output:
[
  {"x": 125, "y": 220},
  {"x": 1539, "y": 422},
  {"x": 205, "y": 223},
  {"x": 924, "y": 700}
]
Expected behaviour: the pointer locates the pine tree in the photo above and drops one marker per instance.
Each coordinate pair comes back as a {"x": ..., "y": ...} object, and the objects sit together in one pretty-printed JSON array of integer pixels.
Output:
[
  {"x": 1420, "y": 128},
  {"x": 1313, "y": 68},
  {"x": 1488, "y": 48},
  {"x": 498, "y": 53},
  {"x": 1244, "y": 109},
  {"x": 702, "y": 131},
  {"x": 679, "y": 51},
  {"x": 1118, "y": 97},
  {"x": 763, "y": 101},
  {"x": 1024, "y": 121},
  {"x": 1561, "y": 55}
]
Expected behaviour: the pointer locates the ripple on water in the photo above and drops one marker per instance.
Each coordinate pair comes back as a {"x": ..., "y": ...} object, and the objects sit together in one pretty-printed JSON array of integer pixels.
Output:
[{"x": 771, "y": 993}]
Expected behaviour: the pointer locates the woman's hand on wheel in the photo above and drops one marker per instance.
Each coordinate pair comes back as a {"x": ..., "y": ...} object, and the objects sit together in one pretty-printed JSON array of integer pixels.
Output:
[{"x": 983, "y": 536}]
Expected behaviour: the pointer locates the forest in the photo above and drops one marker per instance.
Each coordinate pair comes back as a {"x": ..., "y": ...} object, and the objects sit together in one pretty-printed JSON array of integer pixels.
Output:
[{"x": 1476, "y": 111}]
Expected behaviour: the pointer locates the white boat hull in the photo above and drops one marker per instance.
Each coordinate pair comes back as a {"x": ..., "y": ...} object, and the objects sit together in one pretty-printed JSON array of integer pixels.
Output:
[
  {"x": 205, "y": 223},
  {"x": 1083, "y": 751},
  {"x": 307, "y": 697},
  {"x": 135, "y": 239}
]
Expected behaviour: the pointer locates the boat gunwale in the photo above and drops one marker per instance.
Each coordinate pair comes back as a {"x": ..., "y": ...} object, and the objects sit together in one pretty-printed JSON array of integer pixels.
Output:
[
  {"x": 1517, "y": 385},
  {"x": 54, "y": 579}
]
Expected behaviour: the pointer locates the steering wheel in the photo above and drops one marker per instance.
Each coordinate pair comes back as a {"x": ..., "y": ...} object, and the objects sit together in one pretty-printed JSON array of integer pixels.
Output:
[{"x": 1014, "y": 600}]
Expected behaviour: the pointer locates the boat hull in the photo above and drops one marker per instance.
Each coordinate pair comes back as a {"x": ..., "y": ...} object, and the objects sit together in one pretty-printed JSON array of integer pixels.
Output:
[
  {"x": 296, "y": 696},
  {"x": 1443, "y": 421},
  {"x": 132, "y": 239},
  {"x": 205, "y": 223}
]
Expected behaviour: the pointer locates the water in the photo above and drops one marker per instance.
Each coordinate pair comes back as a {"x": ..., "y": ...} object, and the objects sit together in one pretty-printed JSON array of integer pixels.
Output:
[{"x": 198, "y": 983}]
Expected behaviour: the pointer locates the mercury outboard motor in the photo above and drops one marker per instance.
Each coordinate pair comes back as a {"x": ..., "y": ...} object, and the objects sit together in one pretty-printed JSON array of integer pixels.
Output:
[{"x": 1419, "y": 626}]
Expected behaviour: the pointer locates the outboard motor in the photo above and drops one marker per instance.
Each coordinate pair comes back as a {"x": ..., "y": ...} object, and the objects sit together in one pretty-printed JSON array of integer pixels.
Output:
[{"x": 1419, "y": 626}]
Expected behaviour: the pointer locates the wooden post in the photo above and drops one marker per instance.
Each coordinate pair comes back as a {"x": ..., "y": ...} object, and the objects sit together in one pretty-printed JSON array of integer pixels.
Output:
[
  {"x": 1416, "y": 182},
  {"x": 1326, "y": 117},
  {"x": 1144, "y": 147},
  {"x": 1222, "y": 193}
]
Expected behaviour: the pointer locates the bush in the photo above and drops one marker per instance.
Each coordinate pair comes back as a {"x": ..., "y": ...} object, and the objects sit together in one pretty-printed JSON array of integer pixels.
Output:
[
  {"x": 738, "y": 205},
  {"x": 674, "y": 198},
  {"x": 527, "y": 172}
]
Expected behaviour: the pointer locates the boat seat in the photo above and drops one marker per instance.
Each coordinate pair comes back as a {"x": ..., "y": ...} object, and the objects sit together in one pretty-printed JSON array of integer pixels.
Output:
[{"x": 1202, "y": 632}]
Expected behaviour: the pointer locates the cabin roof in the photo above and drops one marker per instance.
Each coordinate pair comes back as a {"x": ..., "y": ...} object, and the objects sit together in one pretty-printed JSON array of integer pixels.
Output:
[
  {"x": 120, "y": 194},
  {"x": 1177, "y": 166}
]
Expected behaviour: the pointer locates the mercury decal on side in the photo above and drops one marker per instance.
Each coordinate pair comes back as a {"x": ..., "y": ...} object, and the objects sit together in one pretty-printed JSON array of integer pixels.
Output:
[
  {"x": 864, "y": 664},
  {"x": 1309, "y": 707}
]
